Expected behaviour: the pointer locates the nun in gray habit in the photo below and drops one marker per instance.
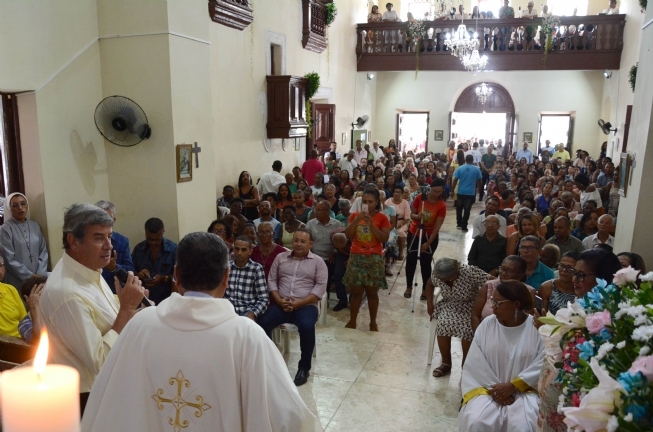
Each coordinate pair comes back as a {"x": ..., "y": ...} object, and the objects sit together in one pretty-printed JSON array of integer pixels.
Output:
[{"x": 22, "y": 244}]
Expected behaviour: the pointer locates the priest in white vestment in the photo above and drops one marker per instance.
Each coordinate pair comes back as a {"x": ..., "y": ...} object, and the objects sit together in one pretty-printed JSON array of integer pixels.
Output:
[
  {"x": 193, "y": 364},
  {"x": 502, "y": 368}
]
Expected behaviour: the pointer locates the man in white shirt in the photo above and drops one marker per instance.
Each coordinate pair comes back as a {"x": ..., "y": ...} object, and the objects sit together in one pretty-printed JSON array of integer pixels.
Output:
[
  {"x": 545, "y": 11},
  {"x": 603, "y": 234},
  {"x": 271, "y": 181},
  {"x": 548, "y": 148},
  {"x": 612, "y": 9},
  {"x": 376, "y": 151},
  {"x": 390, "y": 35},
  {"x": 530, "y": 11},
  {"x": 192, "y": 361},
  {"x": 461, "y": 13},
  {"x": 475, "y": 153},
  {"x": 348, "y": 163},
  {"x": 491, "y": 208},
  {"x": 79, "y": 310},
  {"x": 481, "y": 147},
  {"x": 389, "y": 15},
  {"x": 525, "y": 153},
  {"x": 360, "y": 152},
  {"x": 333, "y": 148}
]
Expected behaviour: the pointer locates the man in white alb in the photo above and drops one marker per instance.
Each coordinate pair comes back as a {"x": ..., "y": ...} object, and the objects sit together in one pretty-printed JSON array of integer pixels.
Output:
[
  {"x": 192, "y": 361},
  {"x": 77, "y": 307}
]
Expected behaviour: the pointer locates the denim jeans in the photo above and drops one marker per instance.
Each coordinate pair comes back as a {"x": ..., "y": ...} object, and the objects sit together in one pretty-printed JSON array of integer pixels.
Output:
[
  {"x": 339, "y": 269},
  {"x": 484, "y": 181},
  {"x": 463, "y": 208},
  {"x": 304, "y": 318}
]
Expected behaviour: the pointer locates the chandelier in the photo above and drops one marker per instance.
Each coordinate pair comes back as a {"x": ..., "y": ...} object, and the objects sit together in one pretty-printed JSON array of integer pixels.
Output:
[
  {"x": 483, "y": 92},
  {"x": 474, "y": 62},
  {"x": 461, "y": 44}
]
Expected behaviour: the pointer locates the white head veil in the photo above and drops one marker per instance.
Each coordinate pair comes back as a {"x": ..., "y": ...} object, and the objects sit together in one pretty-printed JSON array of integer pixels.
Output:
[{"x": 8, "y": 214}]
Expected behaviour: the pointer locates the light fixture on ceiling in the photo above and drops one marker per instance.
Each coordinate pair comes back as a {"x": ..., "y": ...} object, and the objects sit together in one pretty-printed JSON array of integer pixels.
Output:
[
  {"x": 461, "y": 44},
  {"x": 607, "y": 74},
  {"x": 370, "y": 76},
  {"x": 483, "y": 92},
  {"x": 474, "y": 62}
]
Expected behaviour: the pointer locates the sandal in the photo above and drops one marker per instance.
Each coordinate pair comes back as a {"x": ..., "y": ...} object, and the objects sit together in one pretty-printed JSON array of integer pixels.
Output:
[
  {"x": 422, "y": 297},
  {"x": 442, "y": 370},
  {"x": 408, "y": 292},
  {"x": 400, "y": 257}
]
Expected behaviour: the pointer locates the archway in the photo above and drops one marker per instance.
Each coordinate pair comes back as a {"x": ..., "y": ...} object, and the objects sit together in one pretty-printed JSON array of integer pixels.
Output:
[{"x": 498, "y": 102}]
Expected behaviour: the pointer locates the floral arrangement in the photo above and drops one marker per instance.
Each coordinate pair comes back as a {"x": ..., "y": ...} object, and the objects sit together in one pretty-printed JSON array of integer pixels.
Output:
[
  {"x": 602, "y": 346},
  {"x": 331, "y": 13},
  {"x": 416, "y": 29},
  {"x": 550, "y": 26}
]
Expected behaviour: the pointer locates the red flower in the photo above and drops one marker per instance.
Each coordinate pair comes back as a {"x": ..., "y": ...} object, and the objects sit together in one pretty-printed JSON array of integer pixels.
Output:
[{"x": 575, "y": 399}]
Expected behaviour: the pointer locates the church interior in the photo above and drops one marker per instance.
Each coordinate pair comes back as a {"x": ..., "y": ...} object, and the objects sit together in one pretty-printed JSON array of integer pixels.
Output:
[{"x": 218, "y": 78}]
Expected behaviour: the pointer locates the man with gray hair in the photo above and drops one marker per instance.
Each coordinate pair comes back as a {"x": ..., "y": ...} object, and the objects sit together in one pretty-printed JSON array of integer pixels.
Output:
[
  {"x": 530, "y": 11},
  {"x": 536, "y": 272},
  {"x": 78, "y": 308},
  {"x": 121, "y": 257},
  {"x": 376, "y": 151},
  {"x": 348, "y": 163},
  {"x": 194, "y": 343},
  {"x": 602, "y": 236}
]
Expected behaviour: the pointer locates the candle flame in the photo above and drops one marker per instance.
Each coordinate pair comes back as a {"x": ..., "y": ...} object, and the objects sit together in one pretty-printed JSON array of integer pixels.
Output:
[{"x": 41, "y": 357}]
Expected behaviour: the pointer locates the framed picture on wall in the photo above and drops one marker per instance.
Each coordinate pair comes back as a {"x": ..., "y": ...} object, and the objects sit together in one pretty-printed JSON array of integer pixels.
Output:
[
  {"x": 438, "y": 135},
  {"x": 624, "y": 173},
  {"x": 184, "y": 163},
  {"x": 528, "y": 137}
]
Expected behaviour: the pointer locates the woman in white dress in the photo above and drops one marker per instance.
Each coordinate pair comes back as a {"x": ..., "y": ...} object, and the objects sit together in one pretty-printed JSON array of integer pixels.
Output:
[
  {"x": 22, "y": 244},
  {"x": 503, "y": 365}
]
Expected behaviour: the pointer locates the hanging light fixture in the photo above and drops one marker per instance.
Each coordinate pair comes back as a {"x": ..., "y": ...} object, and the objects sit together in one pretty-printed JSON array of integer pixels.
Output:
[
  {"x": 474, "y": 62},
  {"x": 483, "y": 92}
]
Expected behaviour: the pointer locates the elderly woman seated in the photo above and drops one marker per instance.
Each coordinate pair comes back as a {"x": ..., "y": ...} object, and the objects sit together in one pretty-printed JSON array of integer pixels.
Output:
[
  {"x": 503, "y": 366},
  {"x": 458, "y": 284}
]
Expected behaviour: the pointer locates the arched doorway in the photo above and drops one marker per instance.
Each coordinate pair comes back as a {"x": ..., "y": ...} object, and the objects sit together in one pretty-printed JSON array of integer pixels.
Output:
[{"x": 499, "y": 107}]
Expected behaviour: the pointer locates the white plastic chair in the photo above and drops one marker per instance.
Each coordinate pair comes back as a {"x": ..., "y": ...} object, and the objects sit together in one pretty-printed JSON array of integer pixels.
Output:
[
  {"x": 434, "y": 329},
  {"x": 288, "y": 328}
]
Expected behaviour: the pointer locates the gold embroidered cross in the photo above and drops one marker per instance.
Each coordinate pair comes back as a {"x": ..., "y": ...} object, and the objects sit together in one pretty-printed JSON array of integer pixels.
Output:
[{"x": 179, "y": 403}]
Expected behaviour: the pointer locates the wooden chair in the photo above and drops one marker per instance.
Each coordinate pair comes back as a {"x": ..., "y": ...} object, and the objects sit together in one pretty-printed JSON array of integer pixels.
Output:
[{"x": 15, "y": 350}]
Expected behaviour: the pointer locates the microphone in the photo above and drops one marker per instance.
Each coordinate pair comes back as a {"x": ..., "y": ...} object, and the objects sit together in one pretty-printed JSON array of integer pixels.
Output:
[{"x": 122, "y": 275}]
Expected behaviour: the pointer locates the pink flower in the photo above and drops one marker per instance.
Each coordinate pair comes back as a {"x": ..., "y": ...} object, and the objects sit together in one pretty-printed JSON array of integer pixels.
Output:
[
  {"x": 643, "y": 365},
  {"x": 598, "y": 321},
  {"x": 624, "y": 276},
  {"x": 575, "y": 399}
]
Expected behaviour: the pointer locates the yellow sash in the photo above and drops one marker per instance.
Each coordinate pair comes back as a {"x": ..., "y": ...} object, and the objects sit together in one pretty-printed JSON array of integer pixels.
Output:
[{"x": 519, "y": 384}]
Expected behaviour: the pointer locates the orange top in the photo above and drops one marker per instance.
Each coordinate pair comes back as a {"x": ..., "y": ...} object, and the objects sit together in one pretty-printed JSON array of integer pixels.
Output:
[
  {"x": 365, "y": 243},
  {"x": 433, "y": 212}
]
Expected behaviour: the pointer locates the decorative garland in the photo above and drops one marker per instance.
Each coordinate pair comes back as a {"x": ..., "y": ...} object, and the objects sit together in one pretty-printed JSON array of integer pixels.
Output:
[
  {"x": 632, "y": 76},
  {"x": 312, "y": 85},
  {"x": 549, "y": 28},
  {"x": 416, "y": 30}
]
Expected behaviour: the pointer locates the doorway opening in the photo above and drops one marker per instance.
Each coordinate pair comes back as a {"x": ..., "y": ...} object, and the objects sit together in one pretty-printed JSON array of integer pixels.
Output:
[
  {"x": 413, "y": 131},
  {"x": 490, "y": 127},
  {"x": 557, "y": 129}
]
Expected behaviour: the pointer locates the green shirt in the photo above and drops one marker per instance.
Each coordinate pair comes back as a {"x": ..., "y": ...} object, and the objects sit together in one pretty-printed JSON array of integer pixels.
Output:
[{"x": 489, "y": 160}]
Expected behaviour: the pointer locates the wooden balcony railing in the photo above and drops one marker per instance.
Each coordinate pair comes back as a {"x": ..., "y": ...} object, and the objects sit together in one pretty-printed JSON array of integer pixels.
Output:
[{"x": 581, "y": 43}]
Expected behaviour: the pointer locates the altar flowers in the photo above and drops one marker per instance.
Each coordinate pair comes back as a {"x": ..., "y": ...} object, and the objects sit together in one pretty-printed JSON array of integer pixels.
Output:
[{"x": 602, "y": 349}]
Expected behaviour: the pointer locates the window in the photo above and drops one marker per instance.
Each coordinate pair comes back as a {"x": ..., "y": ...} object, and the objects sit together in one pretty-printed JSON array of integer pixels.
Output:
[
  {"x": 555, "y": 128},
  {"x": 489, "y": 5},
  {"x": 566, "y": 7}
]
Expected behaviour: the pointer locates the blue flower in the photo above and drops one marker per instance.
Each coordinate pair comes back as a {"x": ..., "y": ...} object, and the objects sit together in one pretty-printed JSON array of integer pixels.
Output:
[
  {"x": 581, "y": 302},
  {"x": 595, "y": 298},
  {"x": 632, "y": 381},
  {"x": 586, "y": 350},
  {"x": 605, "y": 334},
  {"x": 601, "y": 283},
  {"x": 638, "y": 411},
  {"x": 611, "y": 289}
]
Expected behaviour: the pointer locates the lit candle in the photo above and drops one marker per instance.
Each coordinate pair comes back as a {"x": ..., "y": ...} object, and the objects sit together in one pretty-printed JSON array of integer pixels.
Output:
[{"x": 40, "y": 398}]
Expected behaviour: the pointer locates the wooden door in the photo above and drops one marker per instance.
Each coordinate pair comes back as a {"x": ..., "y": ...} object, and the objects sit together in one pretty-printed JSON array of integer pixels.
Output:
[{"x": 324, "y": 128}]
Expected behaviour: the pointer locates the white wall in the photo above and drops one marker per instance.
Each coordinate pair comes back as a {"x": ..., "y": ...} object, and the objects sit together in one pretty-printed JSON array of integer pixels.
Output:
[{"x": 532, "y": 92}]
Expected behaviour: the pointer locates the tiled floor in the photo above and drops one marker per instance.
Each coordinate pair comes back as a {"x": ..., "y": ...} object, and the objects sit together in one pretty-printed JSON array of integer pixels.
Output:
[{"x": 365, "y": 381}]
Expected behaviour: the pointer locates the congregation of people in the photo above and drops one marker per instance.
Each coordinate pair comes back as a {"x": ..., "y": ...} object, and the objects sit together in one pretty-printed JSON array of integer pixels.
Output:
[{"x": 343, "y": 224}]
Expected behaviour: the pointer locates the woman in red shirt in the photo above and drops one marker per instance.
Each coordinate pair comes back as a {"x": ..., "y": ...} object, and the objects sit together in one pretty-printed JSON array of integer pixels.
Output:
[
  {"x": 368, "y": 231},
  {"x": 431, "y": 214}
]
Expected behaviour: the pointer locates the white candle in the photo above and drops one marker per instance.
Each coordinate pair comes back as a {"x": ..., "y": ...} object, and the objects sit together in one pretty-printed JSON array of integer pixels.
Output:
[{"x": 40, "y": 398}]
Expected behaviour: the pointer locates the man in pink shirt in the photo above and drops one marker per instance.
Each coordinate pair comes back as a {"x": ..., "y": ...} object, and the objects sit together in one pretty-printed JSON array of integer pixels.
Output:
[{"x": 312, "y": 167}]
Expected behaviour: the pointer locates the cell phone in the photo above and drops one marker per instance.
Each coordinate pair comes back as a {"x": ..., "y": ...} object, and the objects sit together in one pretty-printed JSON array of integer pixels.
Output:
[
  {"x": 148, "y": 280},
  {"x": 122, "y": 275},
  {"x": 365, "y": 208},
  {"x": 538, "y": 304},
  {"x": 326, "y": 178}
]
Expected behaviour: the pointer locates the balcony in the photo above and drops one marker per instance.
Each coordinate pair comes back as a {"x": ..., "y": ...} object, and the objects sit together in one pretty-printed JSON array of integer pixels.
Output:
[{"x": 581, "y": 43}]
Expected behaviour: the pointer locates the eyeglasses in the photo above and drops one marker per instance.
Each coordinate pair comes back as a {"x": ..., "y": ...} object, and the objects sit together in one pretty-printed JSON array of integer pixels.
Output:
[
  {"x": 580, "y": 275},
  {"x": 566, "y": 268},
  {"x": 219, "y": 231},
  {"x": 265, "y": 232},
  {"x": 501, "y": 270},
  {"x": 497, "y": 303},
  {"x": 19, "y": 205},
  {"x": 527, "y": 248}
]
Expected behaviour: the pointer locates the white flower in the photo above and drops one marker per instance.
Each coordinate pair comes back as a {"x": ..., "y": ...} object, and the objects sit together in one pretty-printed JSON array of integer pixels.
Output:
[
  {"x": 642, "y": 320},
  {"x": 621, "y": 344},
  {"x": 597, "y": 406},
  {"x": 648, "y": 277},
  {"x": 624, "y": 276},
  {"x": 644, "y": 351},
  {"x": 613, "y": 424},
  {"x": 643, "y": 334},
  {"x": 552, "y": 341},
  {"x": 573, "y": 316},
  {"x": 628, "y": 417},
  {"x": 604, "y": 350}
]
